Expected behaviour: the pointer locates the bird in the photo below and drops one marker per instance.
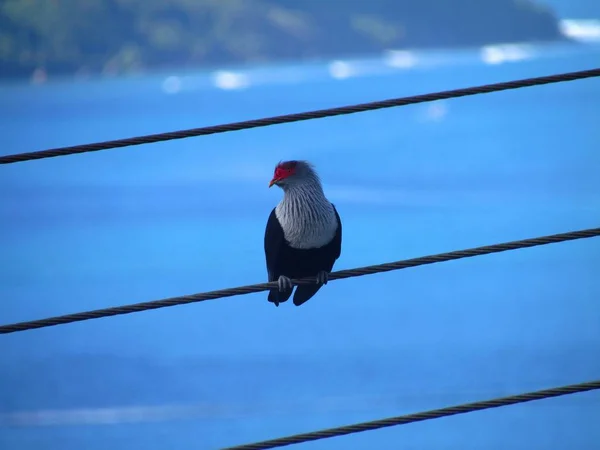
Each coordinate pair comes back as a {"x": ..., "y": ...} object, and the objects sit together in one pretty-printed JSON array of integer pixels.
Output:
[{"x": 303, "y": 236}]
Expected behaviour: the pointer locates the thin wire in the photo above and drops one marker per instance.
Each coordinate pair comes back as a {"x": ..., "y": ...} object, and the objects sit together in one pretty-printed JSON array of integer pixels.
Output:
[
  {"x": 418, "y": 417},
  {"x": 350, "y": 273},
  {"x": 288, "y": 118}
]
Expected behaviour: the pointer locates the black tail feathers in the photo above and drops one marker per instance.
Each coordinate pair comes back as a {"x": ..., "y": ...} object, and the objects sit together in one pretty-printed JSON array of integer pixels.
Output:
[
  {"x": 305, "y": 292},
  {"x": 302, "y": 295}
]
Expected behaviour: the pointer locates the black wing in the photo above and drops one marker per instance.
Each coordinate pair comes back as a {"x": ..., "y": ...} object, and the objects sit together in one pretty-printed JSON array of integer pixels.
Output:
[
  {"x": 274, "y": 240},
  {"x": 337, "y": 239}
]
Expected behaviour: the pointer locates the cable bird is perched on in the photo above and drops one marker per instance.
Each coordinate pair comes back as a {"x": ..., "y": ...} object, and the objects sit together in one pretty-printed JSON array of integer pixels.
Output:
[{"x": 303, "y": 237}]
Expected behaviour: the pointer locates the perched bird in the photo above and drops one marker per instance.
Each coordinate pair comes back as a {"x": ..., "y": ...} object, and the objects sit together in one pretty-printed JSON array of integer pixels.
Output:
[{"x": 303, "y": 237}]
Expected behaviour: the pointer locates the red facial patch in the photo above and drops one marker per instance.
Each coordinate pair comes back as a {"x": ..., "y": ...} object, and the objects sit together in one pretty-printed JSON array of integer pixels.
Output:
[{"x": 284, "y": 170}]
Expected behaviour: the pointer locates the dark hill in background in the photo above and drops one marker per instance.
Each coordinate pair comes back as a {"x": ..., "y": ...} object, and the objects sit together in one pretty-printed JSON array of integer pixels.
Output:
[{"x": 115, "y": 36}]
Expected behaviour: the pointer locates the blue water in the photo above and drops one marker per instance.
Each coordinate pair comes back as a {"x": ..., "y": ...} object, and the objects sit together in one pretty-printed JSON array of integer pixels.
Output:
[{"x": 142, "y": 223}]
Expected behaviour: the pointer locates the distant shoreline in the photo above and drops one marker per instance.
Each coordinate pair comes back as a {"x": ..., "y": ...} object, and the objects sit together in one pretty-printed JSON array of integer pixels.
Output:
[
  {"x": 95, "y": 38},
  {"x": 232, "y": 76}
]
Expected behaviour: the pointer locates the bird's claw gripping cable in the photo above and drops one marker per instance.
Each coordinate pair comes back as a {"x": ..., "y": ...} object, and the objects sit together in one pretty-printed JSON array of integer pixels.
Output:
[
  {"x": 284, "y": 283},
  {"x": 322, "y": 277}
]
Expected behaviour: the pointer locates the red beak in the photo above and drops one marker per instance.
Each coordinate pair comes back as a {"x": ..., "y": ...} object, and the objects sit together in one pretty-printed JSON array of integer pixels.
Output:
[{"x": 273, "y": 181}]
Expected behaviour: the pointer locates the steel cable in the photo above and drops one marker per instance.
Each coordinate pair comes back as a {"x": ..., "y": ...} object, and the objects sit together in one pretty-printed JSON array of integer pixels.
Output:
[
  {"x": 288, "y": 118},
  {"x": 418, "y": 417},
  {"x": 340, "y": 275}
]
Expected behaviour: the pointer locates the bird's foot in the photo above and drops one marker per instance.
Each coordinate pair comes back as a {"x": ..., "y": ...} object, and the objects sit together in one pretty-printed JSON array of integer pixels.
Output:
[
  {"x": 322, "y": 277},
  {"x": 284, "y": 283}
]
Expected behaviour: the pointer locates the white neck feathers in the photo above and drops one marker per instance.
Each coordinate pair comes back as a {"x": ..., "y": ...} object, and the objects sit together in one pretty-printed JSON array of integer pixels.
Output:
[{"x": 306, "y": 216}]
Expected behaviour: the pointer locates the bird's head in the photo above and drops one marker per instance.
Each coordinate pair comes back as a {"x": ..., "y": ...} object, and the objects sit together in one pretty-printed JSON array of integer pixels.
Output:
[{"x": 289, "y": 173}]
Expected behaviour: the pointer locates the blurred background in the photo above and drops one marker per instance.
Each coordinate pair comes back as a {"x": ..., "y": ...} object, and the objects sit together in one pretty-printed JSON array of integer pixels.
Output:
[{"x": 179, "y": 217}]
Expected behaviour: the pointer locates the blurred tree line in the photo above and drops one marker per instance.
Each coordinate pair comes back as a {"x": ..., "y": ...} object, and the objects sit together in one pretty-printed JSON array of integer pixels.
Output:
[{"x": 116, "y": 36}]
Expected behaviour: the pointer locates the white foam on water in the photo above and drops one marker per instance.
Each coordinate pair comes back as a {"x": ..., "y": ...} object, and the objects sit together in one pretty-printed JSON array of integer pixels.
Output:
[{"x": 585, "y": 30}]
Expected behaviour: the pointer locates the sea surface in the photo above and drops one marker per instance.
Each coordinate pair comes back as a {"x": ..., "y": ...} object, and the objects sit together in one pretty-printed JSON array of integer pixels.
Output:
[{"x": 146, "y": 222}]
